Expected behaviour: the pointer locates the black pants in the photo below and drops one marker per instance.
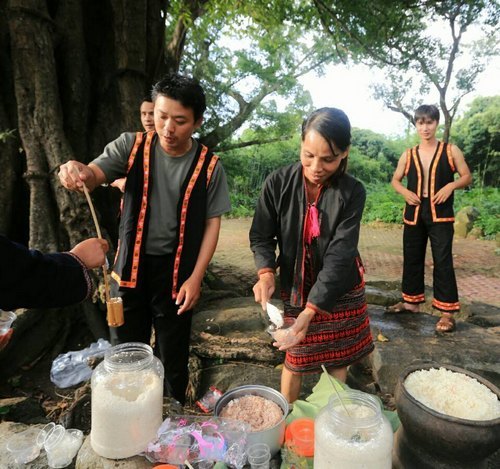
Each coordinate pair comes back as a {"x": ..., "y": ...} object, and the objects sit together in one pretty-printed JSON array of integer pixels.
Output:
[
  {"x": 414, "y": 245},
  {"x": 151, "y": 305}
]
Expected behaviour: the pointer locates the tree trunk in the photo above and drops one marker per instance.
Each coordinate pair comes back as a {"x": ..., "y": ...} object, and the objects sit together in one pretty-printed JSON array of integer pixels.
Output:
[{"x": 10, "y": 160}]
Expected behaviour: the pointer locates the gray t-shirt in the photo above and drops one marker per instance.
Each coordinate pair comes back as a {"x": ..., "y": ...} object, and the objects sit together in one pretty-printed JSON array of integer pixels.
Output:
[{"x": 168, "y": 175}]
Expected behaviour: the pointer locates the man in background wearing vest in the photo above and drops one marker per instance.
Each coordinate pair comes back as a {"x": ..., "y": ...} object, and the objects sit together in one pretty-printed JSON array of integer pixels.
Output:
[
  {"x": 429, "y": 168},
  {"x": 175, "y": 194}
]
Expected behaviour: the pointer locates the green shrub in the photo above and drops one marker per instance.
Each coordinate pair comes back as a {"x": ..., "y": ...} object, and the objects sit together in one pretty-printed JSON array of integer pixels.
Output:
[{"x": 487, "y": 202}]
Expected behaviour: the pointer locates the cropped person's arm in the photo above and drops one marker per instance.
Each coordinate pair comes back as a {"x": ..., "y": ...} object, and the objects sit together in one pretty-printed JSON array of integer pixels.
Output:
[
  {"x": 410, "y": 197},
  {"x": 30, "y": 279}
]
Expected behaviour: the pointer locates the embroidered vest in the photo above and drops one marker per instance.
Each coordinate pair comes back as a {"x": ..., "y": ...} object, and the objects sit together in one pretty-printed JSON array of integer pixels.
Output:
[
  {"x": 191, "y": 213},
  {"x": 441, "y": 172}
]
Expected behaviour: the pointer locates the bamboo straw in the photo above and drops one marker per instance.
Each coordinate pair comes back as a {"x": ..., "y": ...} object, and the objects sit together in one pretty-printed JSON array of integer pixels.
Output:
[{"x": 99, "y": 235}]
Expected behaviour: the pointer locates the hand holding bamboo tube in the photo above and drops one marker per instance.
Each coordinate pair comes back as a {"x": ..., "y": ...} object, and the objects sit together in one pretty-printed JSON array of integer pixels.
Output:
[{"x": 114, "y": 306}]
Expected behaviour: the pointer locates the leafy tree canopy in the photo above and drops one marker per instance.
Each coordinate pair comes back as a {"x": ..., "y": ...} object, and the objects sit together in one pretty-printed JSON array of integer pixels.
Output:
[
  {"x": 477, "y": 133},
  {"x": 416, "y": 58}
]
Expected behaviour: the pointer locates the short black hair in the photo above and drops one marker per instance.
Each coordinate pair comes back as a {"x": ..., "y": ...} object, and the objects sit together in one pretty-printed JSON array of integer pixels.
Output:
[
  {"x": 146, "y": 99},
  {"x": 334, "y": 126},
  {"x": 426, "y": 110},
  {"x": 186, "y": 90}
]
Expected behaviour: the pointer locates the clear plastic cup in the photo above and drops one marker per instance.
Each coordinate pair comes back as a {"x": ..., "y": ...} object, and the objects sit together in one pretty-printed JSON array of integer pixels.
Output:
[
  {"x": 43, "y": 433},
  {"x": 258, "y": 456},
  {"x": 6, "y": 320},
  {"x": 62, "y": 446},
  {"x": 22, "y": 446}
]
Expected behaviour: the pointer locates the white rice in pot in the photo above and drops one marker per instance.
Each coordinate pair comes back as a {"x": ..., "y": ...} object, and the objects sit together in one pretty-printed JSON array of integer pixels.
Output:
[{"x": 453, "y": 394}]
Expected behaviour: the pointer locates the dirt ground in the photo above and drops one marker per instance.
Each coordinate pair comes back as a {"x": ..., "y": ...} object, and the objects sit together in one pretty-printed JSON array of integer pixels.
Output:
[
  {"x": 477, "y": 262},
  {"x": 476, "y": 265}
]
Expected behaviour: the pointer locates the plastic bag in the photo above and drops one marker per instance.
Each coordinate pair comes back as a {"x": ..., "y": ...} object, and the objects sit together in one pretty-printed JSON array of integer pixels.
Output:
[
  {"x": 71, "y": 368},
  {"x": 208, "y": 401},
  {"x": 196, "y": 439}
]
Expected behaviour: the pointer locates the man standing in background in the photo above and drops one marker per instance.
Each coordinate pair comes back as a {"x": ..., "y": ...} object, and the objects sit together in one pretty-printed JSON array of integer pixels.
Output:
[{"x": 429, "y": 168}]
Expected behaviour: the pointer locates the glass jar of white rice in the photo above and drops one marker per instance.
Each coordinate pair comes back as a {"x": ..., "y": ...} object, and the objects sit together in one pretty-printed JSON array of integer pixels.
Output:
[
  {"x": 127, "y": 399},
  {"x": 352, "y": 433}
]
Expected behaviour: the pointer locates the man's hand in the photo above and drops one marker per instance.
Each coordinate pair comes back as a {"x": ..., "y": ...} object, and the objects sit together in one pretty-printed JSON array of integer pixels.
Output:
[
  {"x": 443, "y": 194},
  {"x": 74, "y": 174},
  {"x": 411, "y": 198},
  {"x": 188, "y": 295},
  {"x": 92, "y": 252},
  {"x": 264, "y": 288}
]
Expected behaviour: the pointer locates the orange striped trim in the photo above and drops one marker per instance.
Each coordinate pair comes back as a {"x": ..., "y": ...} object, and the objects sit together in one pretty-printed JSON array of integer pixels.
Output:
[
  {"x": 435, "y": 218},
  {"x": 133, "y": 152},
  {"x": 265, "y": 270},
  {"x": 446, "y": 306},
  {"x": 184, "y": 209},
  {"x": 211, "y": 168},
  {"x": 316, "y": 309},
  {"x": 416, "y": 162},
  {"x": 413, "y": 298},
  {"x": 450, "y": 157},
  {"x": 142, "y": 215}
]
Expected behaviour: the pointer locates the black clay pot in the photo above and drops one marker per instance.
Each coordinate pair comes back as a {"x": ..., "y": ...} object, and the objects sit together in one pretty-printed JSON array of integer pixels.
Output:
[{"x": 428, "y": 439}]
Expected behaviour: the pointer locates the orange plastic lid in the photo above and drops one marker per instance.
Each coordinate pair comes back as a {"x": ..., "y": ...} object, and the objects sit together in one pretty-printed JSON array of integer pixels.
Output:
[{"x": 299, "y": 436}]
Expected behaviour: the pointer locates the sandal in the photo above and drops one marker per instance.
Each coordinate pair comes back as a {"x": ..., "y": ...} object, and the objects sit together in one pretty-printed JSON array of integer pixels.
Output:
[
  {"x": 399, "y": 308},
  {"x": 446, "y": 323}
]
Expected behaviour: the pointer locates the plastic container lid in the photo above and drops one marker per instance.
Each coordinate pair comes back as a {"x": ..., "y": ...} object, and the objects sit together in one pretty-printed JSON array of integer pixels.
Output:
[
  {"x": 54, "y": 437},
  {"x": 299, "y": 436},
  {"x": 43, "y": 433}
]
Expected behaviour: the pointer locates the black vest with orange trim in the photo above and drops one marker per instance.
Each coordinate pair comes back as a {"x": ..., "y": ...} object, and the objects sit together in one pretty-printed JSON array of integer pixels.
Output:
[
  {"x": 441, "y": 172},
  {"x": 191, "y": 213}
]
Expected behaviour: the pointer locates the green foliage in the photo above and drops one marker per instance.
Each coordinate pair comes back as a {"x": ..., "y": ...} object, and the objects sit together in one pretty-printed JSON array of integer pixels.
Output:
[
  {"x": 7, "y": 134},
  {"x": 477, "y": 133},
  {"x": 247, "y": 169},
  {"x": 383, "y": 204},
  {"x": 249, "y": 58},
  {"x": 368, "y": 169},
  {"x": 396, "y": 36},
  {"x": 487, "y": 202}
]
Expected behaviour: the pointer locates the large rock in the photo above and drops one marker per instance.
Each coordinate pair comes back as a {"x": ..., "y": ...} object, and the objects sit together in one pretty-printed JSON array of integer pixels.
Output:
[
  {"x": 231, "y": 341},
  {"x": 88, "y": 459},
  {"x": 412, "y": 338},
  {"x": 464, "y": 221}
]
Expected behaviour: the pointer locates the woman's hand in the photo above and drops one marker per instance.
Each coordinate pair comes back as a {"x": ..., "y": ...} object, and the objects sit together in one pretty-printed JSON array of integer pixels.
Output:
[
  {"x": 299, "y": 330},
  {"x": 264, "y": 288}
]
